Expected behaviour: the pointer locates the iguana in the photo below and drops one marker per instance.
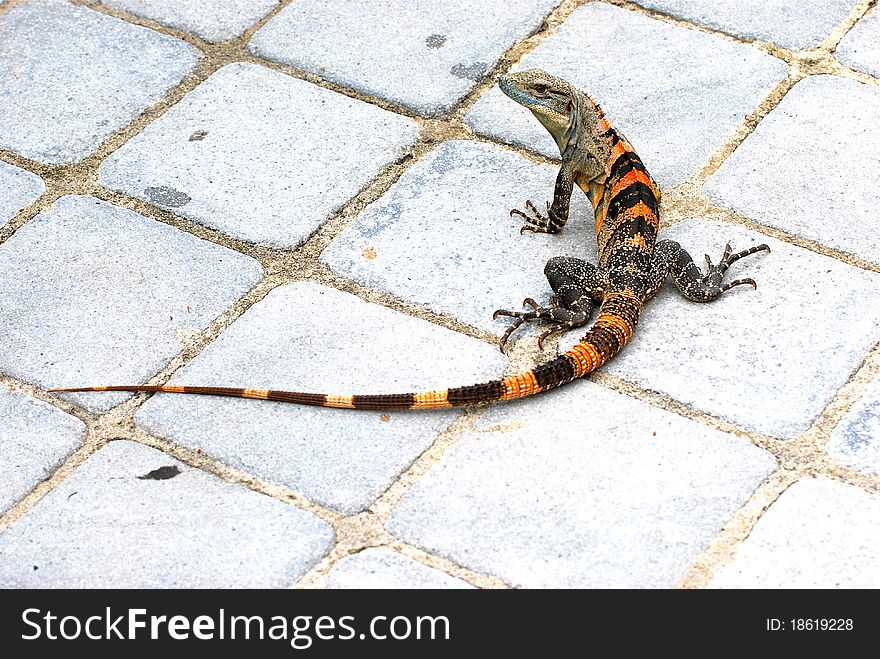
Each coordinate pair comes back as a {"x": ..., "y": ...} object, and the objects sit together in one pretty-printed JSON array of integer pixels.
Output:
[{"x": 632, "y": 265}]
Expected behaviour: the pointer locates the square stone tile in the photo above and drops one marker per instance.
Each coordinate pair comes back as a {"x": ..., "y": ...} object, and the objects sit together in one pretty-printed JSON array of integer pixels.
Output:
[
  {"x": 212, "y": 20},
  {"x": 133, "y": 517},
  {"x": 856, "y": 439},
  {"x": 801, "y": 24},
  {"x": 259, "y": 155},
  {"x": 812, "y": 166},
  {"x": 423, "y": 56},
  {"x": 96, "y": 294},
  {"x": 383, "y": 568},
  {"x": 677, "y": 94},
  {"x": 769, "y": 359},
  {"x": 35, "y": 438},
  {"x": 858, "y": 48},
  {"x": 20, "y": 188},
  {"x": 73, "y": 76},
  {"x": 305, "y": 337},
  {"x": 581, "y": 487},
  {"x": 819, "y": 534},
  {"x": 442, "y": 236}
]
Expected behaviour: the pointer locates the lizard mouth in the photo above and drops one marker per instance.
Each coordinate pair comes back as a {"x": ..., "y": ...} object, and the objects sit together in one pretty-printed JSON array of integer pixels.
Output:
[{"x": 508, "y": 86}]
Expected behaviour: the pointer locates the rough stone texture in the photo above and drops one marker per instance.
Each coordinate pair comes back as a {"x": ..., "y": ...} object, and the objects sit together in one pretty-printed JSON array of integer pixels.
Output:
[
  {"x": 382, "y": 568},
  {"x": 80, "y": 75},
  {"x": 858, "y": 48},
  {"x": 305, "y": 337},
  {"x": 551, "y": 494},
  {"x": 819, "y": 534},
  {"x": 34, "y": 439},
  {"x": 423, "y": 56},
  {"x": 769, "y": 359},
  {"x": 96, "y": 294},
  {"x": 823, "y": 141},
  {"x": 676, "y": 94},
  {"x": 447, "y": 219},
  {"x": 212, "y": 20},
  {"x": 801, "y": 24},
  {"x": 133, "y": 517},
  {"x": 20, "y": 188},
  {"x": 259, "y": 155},
  {"x": 856, "y": 439}
]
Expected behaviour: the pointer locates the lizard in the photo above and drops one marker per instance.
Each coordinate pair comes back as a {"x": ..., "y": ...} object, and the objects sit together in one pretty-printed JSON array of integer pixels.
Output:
[{"x": 632, "y": 264}]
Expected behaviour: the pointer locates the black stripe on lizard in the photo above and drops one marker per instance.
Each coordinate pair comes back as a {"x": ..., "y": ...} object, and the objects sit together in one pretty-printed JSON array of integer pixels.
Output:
[{"x": 632, "y": 264}]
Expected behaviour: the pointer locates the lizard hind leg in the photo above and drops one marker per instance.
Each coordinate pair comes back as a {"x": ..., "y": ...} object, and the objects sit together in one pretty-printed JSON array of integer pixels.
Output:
[
  {"x": 576, "y": 288},
  {"x": 671, "y": 259}
]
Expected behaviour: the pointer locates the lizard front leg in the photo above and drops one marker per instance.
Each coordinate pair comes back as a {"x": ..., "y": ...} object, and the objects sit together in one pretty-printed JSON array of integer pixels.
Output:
[
  {"x": 576, "y": 285},
  {"x": 673, "y": 261},
  {"x": 557, "y": 212}
]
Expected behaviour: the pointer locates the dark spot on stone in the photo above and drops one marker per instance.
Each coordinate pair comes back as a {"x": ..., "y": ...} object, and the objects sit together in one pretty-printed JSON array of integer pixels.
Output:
[
  {"x": 167, "y": 196},
  {"x": 36, "y": 567},
  {"x": 473, "y": 72},
  {"x": 198, "y": 135},
  {"x": 161, "y": 474},
  {"x": 435, "y": 41}
]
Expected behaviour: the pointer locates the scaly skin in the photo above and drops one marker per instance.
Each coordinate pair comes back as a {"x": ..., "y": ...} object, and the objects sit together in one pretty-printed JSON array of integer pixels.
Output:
[{"x": 632, "y": 265}]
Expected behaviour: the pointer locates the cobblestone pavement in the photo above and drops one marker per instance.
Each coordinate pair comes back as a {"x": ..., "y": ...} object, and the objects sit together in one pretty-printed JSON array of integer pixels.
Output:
[{"x": 314, "y": 195}]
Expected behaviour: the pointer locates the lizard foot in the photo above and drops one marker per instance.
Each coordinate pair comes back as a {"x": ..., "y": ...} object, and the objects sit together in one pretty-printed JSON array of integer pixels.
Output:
[
  {"x": 562, "y": 319},
  {"x": 536, "y": 222},
  {"x": 710, "y": 286}
]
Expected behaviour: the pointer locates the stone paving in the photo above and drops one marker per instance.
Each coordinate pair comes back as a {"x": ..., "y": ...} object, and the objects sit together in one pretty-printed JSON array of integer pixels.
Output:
[{"x": 315, "y": 196}]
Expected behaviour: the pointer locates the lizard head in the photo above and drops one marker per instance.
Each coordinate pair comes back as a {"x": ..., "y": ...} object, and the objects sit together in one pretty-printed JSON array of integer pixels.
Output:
[
  {"x": 563, "y": 110},
  {"x": 551, "y": 99}
]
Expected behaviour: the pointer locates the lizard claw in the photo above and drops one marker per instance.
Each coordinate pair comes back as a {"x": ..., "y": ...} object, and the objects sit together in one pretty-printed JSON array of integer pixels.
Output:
[
  {"x": 737, "y": 282},
  {"x": 535, "y": 221},
  {"x": 710, "y": 286},
  {"x": 519, "y": 316},
  {"x": 536, "y": 314},
  {"x": 559, "y": 328}
]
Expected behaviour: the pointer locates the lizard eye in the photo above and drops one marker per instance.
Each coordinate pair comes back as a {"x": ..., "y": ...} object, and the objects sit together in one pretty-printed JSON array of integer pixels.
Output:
[{"x": 540, "y": 89}]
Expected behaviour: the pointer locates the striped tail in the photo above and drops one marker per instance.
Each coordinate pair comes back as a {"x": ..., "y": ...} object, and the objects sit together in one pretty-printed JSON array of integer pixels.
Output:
[{"x": 612, "y": 330}]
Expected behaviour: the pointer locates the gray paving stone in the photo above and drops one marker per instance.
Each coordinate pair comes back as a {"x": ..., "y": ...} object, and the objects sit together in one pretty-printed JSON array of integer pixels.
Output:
[
  {"x": 802, "y": 24},
  {"x": 769, "y": 359},
  {"x": 212, "y": 20},
  {"x": 20, "y": 188},
  {"x": 823, "y": 142},
  {"x": 306, "y": 337},
  {"x": 447, "y": 219},
  {"x": 856, "y": 439},
  {"x": 80, "y": 75},
  {"x": 676, "y": 94},
  {"x": 279, "y": 155},
  {"x": 819, "y": 534},
  {"x": 423, "y": 56},
  {"x": 96, "y": 294},
  {"x": 551, "y": 494},
  {"x": 34, "y": 439},
  {"x": 858, "y": 48},
  {"x": 133, "y": 517},
  {"x": 382, "y": 568}
]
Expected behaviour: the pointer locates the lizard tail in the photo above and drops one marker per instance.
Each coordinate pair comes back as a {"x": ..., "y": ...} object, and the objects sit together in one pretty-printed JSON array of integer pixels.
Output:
[{"x": 613, "y": 328}]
